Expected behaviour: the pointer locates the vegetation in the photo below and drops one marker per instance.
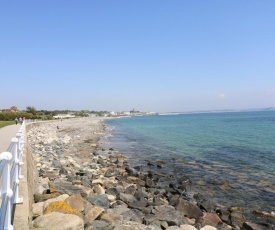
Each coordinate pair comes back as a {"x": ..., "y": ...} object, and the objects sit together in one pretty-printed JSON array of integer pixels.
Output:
[
  {"x": 6, "y": 123},
  {"x": 32, "y": 113}
]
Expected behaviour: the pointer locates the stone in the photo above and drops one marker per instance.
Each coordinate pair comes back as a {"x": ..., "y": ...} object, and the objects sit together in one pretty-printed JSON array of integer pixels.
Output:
[
  {"x": 100, "y": 200},
  {"x": 173, "y": 228},
  {"x": 65, "y": 187},
  {"x": 211, "y": 219},
  {"x": 130, "y": 225},
  {"x": 237, "y": 219},
  {"x": 98, "y": 225},
  {"x": 208, "y": 227},
  {"x": 93, "y": 213},
  {"x": 113, "y": 219},
  {"x": 37, "y": 209},
  {"x": 61, "y": 206},
  {"x": 169, "y": 214},
  {"x": 188, "y": 209},
  {"x": 127, "y": 198},
  {"x": 187, "y": 227},
  {"x": 76, "y": 202},
  {"x": 59, "y": 198},
  {"x": 126, "y": 213},
  {"x": 43, "y": 197},
  {"x": 98, "y": 189},
  {"x": 59, "y": 221},
  {"x": 251, "y": 226}
]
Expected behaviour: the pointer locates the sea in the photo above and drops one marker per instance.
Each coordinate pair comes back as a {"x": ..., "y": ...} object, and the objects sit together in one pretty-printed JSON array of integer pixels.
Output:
[{"x": 228, "y": 156}]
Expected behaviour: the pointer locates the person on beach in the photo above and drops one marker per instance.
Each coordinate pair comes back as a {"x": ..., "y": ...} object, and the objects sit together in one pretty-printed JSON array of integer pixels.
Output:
[
  {"x": 20, "y": 120},
  {"x": 16, "y": 120}
]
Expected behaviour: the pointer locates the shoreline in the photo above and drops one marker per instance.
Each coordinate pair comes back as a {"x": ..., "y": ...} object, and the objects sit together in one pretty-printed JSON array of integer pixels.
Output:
[{"x": 69, "y": 163}]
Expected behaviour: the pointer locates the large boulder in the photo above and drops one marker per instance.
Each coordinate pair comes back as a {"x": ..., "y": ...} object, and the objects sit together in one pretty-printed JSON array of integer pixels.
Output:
[
  {"x": 169, "y": 214},
  {"x": 76, "y": 202},
  {"x": 59, "y": 221},
  {"x": 211, "y": 219},
  {"x": 63, "y": 207},
  {"x": 65, "y": 187},
  {"x": 188, "y": 209}
]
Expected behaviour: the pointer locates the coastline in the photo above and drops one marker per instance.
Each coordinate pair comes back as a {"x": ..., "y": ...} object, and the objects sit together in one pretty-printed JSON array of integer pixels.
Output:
[{"x": 70, "y": 165}]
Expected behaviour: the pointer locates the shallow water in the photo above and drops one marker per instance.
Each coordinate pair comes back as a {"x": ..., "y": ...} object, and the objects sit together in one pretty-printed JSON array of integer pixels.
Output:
[{"x": 230, "y": 157}]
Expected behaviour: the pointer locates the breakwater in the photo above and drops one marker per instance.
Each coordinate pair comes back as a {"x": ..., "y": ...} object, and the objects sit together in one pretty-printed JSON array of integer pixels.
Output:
[{"x": 76, "y": 186}]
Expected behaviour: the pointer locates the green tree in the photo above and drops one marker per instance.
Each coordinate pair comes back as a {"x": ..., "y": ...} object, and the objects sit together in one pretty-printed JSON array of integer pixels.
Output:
[{"x": 31, "y": 109}]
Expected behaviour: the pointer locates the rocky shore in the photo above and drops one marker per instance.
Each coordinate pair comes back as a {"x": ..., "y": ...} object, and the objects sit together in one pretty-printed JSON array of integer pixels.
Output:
[{"x": 80, "y": 188}]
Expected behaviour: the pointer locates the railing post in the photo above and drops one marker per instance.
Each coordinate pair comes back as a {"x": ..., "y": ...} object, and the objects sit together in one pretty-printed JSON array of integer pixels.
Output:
[
  {"x": 6, "y": 190},
  {"x": 16, "y": 176}
]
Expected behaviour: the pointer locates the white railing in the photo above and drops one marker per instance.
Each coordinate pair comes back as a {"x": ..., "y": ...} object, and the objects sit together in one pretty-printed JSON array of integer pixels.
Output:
[{"x": 10, "y": 173}]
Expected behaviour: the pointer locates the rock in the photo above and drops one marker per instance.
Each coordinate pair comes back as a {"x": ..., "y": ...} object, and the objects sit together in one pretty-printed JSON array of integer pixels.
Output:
[
  {"x": 63, "y": 207},
  {"x": 97, "y": 181},
  {"x": 100, "y": 200},
  {"x": 251, "y": 226},
  {"x": 59, "y": 198},
  {"x": 65, "y": 187},
  {"x": 127, "y": 198},
  {"x": 173, "y": 228},
  {"x": 113, "y": 219},
  {"x": 37, "y": 209},
  {"x": 76, "y": 202},
  {"x": 141, "y": 205},
  {"x": 44, "y": 197},
  {"x": 265, "y": 215},
  {"x": 93, "y": 213},
  {"x": 129, "y": 225},
  {"x": 98, "y": 189},
  {"x": 237, "y": 219},
  {"x": 207, "y": 206},
  {"x": 98, "y": 225},
  {"x": 208, "y": 227},
  {"x": 188, "y": 209},
  {"x": 59, "y": 221},
  {"x": 126, "y": 213},
  {"x": 169, "y": 214},
  {"x": 187, "y": 227},
  {"x": 211, "y": 219}
]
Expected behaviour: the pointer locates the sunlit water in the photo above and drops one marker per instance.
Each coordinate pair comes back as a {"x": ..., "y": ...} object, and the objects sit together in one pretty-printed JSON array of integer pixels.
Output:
[{"x": 230, "y": 157}]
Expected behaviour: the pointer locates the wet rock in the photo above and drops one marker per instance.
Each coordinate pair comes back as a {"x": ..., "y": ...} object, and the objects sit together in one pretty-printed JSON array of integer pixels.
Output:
[
  {"x": 207, "y": 206},
  {"x": 211, "y": 219},
  {"x": 237, "y": 219},
  {"x": 264, "y": 215},
  {"x": 188, "y": 209},
  {"x": 251, "y": 226}
]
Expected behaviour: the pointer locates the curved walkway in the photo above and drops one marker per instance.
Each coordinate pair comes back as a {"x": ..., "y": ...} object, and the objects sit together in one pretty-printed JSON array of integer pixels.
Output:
[
  {"x": 6, "y": 134},
  {"x": 20, "y": 220}
]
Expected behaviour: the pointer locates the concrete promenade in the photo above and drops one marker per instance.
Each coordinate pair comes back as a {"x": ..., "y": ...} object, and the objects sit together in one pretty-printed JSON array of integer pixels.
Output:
[{"x": 21, "y": 214}]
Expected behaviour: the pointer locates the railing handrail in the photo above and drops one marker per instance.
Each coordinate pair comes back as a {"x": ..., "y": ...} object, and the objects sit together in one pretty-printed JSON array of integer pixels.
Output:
[{"x": 10, "y": 173}]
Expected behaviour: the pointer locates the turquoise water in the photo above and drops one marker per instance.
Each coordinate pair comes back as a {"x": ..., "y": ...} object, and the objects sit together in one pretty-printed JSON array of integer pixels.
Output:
[{"x": 230, "y": 157}]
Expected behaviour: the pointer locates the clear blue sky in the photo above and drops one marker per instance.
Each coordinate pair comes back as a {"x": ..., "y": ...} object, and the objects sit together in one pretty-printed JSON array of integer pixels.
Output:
[{"x": 149, "y": 55}]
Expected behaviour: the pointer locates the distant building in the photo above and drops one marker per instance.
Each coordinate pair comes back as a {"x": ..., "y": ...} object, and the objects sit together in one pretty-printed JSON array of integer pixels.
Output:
[
  {"x": 63, "y": 116},
  {"x": 11, "y": 109}
]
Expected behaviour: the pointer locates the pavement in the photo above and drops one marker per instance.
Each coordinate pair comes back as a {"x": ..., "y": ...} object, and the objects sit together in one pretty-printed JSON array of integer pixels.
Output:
[
  {"x": 6, "y": 134},
  {"x": 21, "y": 214}
]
